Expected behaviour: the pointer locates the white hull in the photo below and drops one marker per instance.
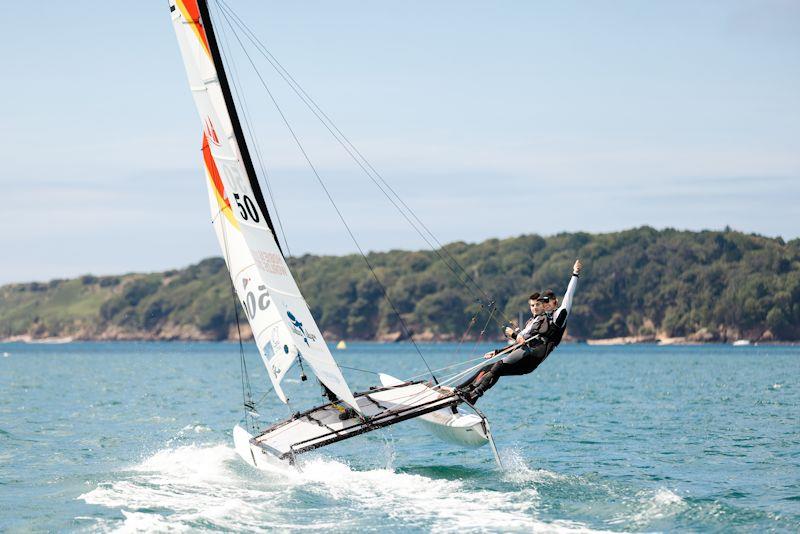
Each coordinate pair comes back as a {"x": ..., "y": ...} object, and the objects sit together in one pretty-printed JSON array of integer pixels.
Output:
[
  {"x": 465, "y": 429},
  {"x": 273, "y": 449},
  {"x": 254, "y": 455}
]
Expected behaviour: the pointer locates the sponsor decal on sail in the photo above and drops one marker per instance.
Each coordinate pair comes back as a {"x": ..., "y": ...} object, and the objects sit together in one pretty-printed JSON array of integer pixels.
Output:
[
  {"x": 270, "y": 262},
  {"x": 297, "y": 328},
  {"x": 211, "y": 133}
]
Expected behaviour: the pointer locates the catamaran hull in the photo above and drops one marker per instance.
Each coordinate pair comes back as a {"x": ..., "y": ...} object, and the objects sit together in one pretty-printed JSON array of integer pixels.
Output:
[
  {"x": 464, "y": 429},
  {"x": 253, "y": 454},
  {"x": 460, "y": 429},
  {"x": 279, "y": 445}
]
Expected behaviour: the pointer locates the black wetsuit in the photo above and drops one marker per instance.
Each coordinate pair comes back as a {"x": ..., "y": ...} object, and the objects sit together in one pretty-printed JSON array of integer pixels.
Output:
[
  {"x": 520, "y": 361},
  {"x": 547, "y": 336}
]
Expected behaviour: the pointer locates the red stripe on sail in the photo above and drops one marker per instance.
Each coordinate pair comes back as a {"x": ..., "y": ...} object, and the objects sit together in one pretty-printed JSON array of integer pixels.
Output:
[
  {"x": 213, "y": 172},
  {"x": 191, "y": 11}
]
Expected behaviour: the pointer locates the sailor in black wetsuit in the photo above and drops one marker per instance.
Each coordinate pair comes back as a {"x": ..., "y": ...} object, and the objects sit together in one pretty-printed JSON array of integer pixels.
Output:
[
  {"x": 558, "y": 319},
  {"x": 541, "y": 335}
]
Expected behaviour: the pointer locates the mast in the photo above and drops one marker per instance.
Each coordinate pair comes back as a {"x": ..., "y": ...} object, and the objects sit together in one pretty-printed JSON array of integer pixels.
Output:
[{"x": 205, "y": 17}]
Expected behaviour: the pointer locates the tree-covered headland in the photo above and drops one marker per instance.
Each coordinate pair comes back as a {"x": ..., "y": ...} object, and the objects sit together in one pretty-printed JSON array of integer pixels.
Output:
[{"x": 708, "y": 286}]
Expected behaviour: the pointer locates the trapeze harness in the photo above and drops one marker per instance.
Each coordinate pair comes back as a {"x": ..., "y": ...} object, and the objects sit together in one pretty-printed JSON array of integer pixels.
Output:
[{"x": 545, "y": 332}]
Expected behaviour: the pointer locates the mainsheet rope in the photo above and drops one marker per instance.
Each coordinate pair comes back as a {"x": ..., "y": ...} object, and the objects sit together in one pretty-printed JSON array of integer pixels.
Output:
[{"x": 242, "y": 101}]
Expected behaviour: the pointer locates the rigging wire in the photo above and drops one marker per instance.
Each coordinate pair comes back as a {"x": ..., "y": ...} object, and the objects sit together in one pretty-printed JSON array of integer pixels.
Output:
[
  {"x": 247, "y": 392},
  {"x": 241, "y": 99},
  {"x": 333, "y": 203},
  {"x": 364, "y": 370},
  {"x": 483, "y": 331},
  {"x": 472, "y": 321},
  {"x": 368, "y": 169},
  {"x": 446, "y": 367},
  {"x": 249, "y": 403},
  {"x": 255, "y": 145}
]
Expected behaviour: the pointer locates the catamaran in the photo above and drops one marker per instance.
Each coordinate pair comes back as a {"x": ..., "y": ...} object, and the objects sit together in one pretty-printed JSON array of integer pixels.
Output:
[{"x": 283, "y": 327}]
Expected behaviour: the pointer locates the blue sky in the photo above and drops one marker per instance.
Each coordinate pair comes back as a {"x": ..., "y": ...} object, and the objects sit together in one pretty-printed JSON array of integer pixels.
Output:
[{"x": 679, "y": 114}]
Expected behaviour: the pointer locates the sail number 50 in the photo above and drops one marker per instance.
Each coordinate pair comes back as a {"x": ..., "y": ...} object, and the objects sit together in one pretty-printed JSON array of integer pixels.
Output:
[
  {"x": 247, "y": 208},
  {"x": 236, "y": 182}
]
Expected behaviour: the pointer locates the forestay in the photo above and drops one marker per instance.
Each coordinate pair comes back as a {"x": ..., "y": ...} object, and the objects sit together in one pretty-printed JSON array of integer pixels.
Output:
[{"x": 282, "y": 325}]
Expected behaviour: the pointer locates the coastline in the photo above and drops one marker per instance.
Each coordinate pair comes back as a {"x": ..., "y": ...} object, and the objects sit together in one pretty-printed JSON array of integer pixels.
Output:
[{"x": 423, "y": 340}]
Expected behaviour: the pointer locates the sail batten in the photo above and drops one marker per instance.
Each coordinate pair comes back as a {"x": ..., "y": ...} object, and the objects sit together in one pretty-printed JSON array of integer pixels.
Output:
[{"x": 265, "y": 288}]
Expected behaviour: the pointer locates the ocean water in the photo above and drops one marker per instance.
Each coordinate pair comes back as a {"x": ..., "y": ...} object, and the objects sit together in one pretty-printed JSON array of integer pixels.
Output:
[{"x": 137, "y": 436}]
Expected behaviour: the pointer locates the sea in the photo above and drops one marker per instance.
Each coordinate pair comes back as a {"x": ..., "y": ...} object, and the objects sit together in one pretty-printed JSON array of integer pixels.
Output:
[{"x": 136, "y": 436}]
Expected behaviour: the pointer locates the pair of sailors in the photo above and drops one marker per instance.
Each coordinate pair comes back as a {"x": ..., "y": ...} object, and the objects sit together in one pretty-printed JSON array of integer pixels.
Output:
[{"x": 535, "y": 341}]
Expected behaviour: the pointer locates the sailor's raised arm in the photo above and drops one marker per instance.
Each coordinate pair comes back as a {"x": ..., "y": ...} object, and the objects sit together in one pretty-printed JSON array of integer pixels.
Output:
[{"x": 560, "y": 316}]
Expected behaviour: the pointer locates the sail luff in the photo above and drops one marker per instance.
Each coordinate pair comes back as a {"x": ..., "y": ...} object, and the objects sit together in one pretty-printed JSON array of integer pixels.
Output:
[{"x": 234, "y": 116}]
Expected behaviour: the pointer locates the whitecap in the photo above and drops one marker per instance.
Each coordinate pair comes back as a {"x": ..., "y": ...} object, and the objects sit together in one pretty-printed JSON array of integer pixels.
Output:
[
  {"x": 148, "y": 522},
  {"x": 440, "y": 504},
  {"x": 516, "y": 469},
  {"x": 666, "y": 497},
  {"x": 651, "y": 505},
  {"x": 197, "y": 429}
]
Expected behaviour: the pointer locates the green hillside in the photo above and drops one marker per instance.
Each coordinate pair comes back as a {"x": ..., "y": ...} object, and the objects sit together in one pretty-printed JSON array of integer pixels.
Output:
[{"x": 711, "y": 286}]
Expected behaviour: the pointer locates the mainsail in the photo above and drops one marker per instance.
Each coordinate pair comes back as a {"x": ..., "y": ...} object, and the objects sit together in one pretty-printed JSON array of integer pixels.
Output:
[{"x": 282, "y": 325}]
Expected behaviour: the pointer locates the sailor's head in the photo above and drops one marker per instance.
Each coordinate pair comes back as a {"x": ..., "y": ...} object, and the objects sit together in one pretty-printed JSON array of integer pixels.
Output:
[
  {"x": 536, "y": 303},
  {"x": 552, "y": 300}
]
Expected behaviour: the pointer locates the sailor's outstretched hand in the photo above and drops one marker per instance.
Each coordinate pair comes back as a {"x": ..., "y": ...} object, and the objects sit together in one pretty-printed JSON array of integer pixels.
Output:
[
  {"x": 490, "y": 354},
  {"x": 576, "y": 269}
]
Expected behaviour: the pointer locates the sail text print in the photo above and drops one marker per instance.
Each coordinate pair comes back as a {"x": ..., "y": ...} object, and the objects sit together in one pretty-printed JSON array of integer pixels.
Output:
[
  {"x": 253, "y": 302},
  {"x": 242, "y": 193}
]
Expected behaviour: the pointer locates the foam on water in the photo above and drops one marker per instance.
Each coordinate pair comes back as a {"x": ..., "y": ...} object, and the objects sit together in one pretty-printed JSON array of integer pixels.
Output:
[
  {"x": 184, "y": 487},
  {"x": 657, "y": 505},
  {"x": 209, "y": 486},
  {"x": 649, "y": 506},
  {"x": 516, "y": 470}
]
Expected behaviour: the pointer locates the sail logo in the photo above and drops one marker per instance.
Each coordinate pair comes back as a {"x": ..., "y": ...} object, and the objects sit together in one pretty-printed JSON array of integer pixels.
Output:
[
  {"x": 253, "y": 302},
  {"x": 297, "y": 328},
  {"x": 269, "y": 352},
  {"x": 211, "y": 133},
  {"x": 270, "y": 262}
]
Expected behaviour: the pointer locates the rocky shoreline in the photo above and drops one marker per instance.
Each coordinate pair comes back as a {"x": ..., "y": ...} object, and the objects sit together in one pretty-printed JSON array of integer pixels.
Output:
[{"x": 385, "y": 338}]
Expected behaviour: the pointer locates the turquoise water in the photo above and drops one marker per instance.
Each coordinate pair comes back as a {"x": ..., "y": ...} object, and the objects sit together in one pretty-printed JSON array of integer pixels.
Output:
[{"x": 137, "y": 436}]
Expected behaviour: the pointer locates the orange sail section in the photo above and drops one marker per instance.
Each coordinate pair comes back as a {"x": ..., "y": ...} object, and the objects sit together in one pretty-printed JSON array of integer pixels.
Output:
[
  {"x": 216, "y": 183},
  {"x": 191, "y": 12}
]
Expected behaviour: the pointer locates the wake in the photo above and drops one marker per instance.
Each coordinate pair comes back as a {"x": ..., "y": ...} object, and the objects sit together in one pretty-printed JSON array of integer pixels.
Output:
[{"x": 210, "y": 487}]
